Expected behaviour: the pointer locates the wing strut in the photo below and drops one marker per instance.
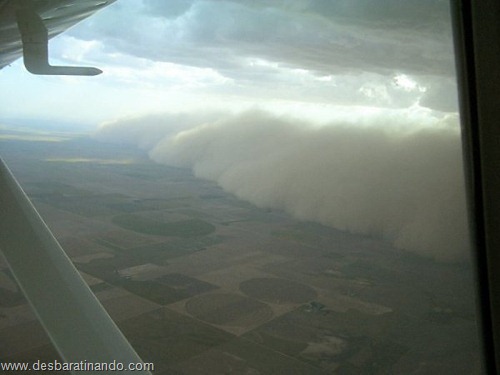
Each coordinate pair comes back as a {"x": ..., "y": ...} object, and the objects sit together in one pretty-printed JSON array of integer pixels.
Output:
[
  {"x": 35, "y": 40},
  {"x": 77, "y": 324}
]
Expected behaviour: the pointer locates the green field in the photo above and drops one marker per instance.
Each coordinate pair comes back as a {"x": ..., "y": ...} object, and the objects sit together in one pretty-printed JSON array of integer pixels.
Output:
[{"x": 182, "y": 228}]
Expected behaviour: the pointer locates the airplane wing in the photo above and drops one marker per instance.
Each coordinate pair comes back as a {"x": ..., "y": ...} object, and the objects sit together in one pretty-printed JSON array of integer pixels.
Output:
[
  {"x": 27, "y": 25},
  {"x": 76, "y": 322}
]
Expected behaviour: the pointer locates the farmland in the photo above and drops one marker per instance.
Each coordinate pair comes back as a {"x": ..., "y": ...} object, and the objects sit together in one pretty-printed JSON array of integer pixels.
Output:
[{"x": 201, "y": 282}]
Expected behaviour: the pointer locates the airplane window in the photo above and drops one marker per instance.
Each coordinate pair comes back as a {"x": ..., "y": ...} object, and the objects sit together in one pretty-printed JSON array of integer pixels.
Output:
[{"x": 253, "y": 187}]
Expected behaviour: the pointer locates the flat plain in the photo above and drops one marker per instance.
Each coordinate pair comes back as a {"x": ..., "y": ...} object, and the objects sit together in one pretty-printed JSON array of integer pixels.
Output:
[{"x": 201, "y": 282}]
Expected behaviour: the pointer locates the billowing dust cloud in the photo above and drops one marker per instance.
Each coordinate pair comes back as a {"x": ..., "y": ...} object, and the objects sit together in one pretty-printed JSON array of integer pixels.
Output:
[{"x": 382, "y": 180}]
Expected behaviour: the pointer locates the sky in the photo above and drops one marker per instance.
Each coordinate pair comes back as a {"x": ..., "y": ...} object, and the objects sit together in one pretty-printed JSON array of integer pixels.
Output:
[
  {"x": 310, "y": 58},
  {"x": 342, "y": 112}
]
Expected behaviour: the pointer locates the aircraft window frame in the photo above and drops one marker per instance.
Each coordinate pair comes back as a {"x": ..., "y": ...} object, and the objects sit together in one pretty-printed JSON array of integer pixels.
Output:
[{"x": 475, "y": 26}]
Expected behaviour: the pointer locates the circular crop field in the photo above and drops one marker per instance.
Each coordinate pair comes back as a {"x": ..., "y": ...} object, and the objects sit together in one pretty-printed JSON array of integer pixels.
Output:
[
  {"x": 229, "y": 309},
  {"x": 278, "y": 291}
]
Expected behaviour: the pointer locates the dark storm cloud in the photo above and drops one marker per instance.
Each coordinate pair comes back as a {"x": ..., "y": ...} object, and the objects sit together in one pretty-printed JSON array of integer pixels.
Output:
[
  {"x": 378, "y": 178},
  {"x": 394, "y": 174},
  {"x": 145, "y": 131}
]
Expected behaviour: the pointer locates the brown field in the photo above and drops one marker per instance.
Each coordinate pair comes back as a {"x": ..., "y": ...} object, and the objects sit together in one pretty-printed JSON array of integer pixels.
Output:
[
  {"x": 229, "y": 310},
  {"x": 279, "y": 291}
]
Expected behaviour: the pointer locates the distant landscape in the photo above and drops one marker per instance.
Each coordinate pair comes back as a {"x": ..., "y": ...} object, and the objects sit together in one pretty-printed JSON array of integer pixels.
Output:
[{"x": 203, "y": 283}]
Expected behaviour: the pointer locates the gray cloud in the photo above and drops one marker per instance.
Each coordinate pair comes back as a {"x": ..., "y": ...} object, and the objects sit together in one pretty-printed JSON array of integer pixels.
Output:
[
  {"x": 360, "y": 44},
  {"x": 379, "y": 178},
  {"x": 167, "y": 9},
  {"x": 441, "y": 95},
  {"x": 145, "y": 131},
  {"x": 324, "y": 36}
]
